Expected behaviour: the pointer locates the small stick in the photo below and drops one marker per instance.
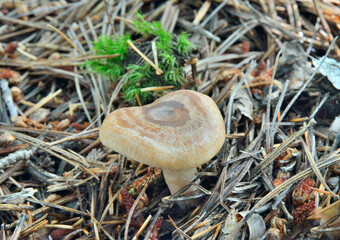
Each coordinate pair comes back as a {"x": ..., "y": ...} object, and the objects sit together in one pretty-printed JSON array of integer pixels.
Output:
[
  {"x": 201, "y": 224},
  {"x": 14, "y": 207},
  {"x": 183, "y": 234},
  {"x": 149, "y": 89},
  {"x": 142, "y": 227},
  {"x": 19, "y": 227},
  {"x": 65, "y": 37},
  {"x": 298, "y": 119},
  {"x": 193, "y": 63},
  {"x": 132, "y": 210},
  {"x": 154, "y": 52},
  {"x": 139, "y": 103},
  {"x": 306, "y": 134},
  {"x": 316, "y": 170},
  {"x": 278, "y": 151},
  {"x": 68, "y": 209},
  {"x": 66, "y": 61},
  {"x": 27, "y": 54},
  {"x": 42, "y": 102},
  {"x": 202, "y": 12},
  {"x": 33, "y": 228},
  {"x": 16, "y": 157},
  {"x": 321, "y": 191},
  {"x": 60, "y": 226},
  {"x": 158, "y": 70},
  {"x": 91, "y": 146},
  {"x": 306, "y": 83},
  {"x": 269, "y": 138},
  {"x": 205, "y": 231},
  {"x": 78, "y": 222},
  {"x": 22, "y": 22},
  {"x": 138, "y": 169},
  {"x": 217, "y": 232}
]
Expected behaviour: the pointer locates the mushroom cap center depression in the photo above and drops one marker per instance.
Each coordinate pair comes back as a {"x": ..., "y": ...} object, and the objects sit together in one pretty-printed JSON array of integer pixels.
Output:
[
  {"x": 181, "y": 130},
  {"x": 171, "y": 113}
]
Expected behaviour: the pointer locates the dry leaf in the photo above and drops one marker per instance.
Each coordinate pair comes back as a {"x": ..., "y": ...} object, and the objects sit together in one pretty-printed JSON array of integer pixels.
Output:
[
  {"x": 40, "y": 114},
  {"x": 331, "y": 69},
  {"x": 242, "y": 105},
  {"x": 293, "y": 65},
  {"x": 256, "y": 225}
]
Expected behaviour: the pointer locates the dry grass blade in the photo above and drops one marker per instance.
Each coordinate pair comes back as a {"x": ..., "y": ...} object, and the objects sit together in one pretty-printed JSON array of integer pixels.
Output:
[
  {"x": 38, "y": 224},
  {"x": 64, "y": 155},
  {"x": 60, "y": 201},
  {"x": 42, "y": 102},
  {"x": 269, "y": 133},
  {"x": 65, "y": 37},
  {"x": 71, "y": 210},
  {"x": 330, "y": 160},
  {"x": 80, "y": 95},
  {"x": 141, "y": 229},
  {"x": 316, "y": 170},
  {"x": 132, "y": 210},
  {"x": 85, "y": 134},
  {"x": 278, "y": 151},
  {"x": 158, "y": 70},
  {"x": 65, "y": 65},
  {"x": 24, "y": 23},
  {"x": 307, "y": 82},
  {"x": 13, "y": 207},
  {"x": 18, "y": 228},
  {"x": 183, "y": 234}
]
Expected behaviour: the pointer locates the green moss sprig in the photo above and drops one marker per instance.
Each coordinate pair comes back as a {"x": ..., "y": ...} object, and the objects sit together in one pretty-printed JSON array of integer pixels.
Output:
[
  {"x": 170, "y": 49},
  {"x": 110, "y": 67}
]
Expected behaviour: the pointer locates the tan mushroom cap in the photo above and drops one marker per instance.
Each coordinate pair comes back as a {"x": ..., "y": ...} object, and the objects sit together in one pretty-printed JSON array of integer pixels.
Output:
[{"x": 180, "y": 130}]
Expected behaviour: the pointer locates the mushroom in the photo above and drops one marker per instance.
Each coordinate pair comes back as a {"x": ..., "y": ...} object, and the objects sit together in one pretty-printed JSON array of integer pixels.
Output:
[{"x": 177, "y": 133}]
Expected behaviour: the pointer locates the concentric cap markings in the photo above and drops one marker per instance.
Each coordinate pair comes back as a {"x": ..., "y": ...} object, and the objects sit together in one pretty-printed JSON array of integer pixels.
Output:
[
  {"x": 168, "y": 113},
  {"x": 181, "y": 130}
]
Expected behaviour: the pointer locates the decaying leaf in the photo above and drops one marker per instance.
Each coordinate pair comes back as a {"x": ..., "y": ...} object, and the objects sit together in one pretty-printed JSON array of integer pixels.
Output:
[
  {"x": 242, "y": 105},
  {"x": 335, "y": 126},
  {"x": 330, "y": 215},
  {"x": 6, "y": 139},
  {"x": 40, "y": 114},
  {"x": 331, "y": 69},
  {"x": 230, "y": 223},
  {"x": 293, "y": 65},
  {"x": 255, "y": 223},
  {"x": 18, "y": 197}
]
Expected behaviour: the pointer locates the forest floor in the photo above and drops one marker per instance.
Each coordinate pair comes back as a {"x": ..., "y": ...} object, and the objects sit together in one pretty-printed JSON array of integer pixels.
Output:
[{"x": 270, "y": 66}]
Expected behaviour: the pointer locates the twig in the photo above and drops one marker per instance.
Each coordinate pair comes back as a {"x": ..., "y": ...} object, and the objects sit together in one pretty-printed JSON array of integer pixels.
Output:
[
  {"x": 283, "y": 114},
  {"x": 158, "y": 70},
  {"x": 42, "y": 102},
  {"x": 132, "y": 210},
  {"x": 269, "y": 135},
  {"x": 7, "y": 97},
  {"x": 330, "y": 160},
  {"x": 80, "y": 95},
  {"x": 19, "y": 227},
  {"x": 278, "y": 151},
  {"x": 183, "y": 234},
  {"x": 66, "y": 38},
  {"x": 316, "y": 170},
  {"x": 15, "y": 157},
  {"x": 141, "y": 229}
]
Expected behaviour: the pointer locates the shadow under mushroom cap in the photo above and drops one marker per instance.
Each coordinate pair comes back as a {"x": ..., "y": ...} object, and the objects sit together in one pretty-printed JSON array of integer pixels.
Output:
[{"x": 180, "y": 130}]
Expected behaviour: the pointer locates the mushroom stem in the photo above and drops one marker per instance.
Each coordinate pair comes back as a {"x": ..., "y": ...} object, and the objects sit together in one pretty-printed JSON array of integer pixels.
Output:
[{"x": 176, "y": 179}]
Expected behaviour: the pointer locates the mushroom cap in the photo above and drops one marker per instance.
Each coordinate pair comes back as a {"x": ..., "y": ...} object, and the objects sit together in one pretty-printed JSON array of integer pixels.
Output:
[{"x": 180, "y": 130}]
